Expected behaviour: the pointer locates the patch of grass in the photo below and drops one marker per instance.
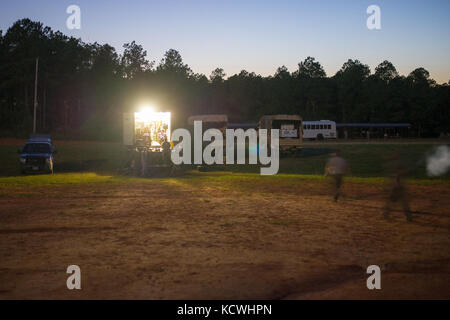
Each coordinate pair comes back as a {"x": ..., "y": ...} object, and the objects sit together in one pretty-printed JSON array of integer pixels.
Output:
[
  {"x": 71, "y": 157},
  {"x": 82, "y": 162},
  {"x": 26, "y": 194},
  {"x": 65, "y": 178},
  {"x": 251, "y": 181},
  {"x": 279, "y": 222},
  {"x": 365, "y": 160}
]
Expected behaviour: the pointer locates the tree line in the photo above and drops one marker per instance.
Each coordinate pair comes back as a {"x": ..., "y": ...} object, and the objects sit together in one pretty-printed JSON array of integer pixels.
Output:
[{"x": 85, "y": 87}]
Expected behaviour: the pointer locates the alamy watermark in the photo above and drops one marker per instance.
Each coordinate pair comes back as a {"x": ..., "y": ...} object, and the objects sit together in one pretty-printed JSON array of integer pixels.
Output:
[
  {"x": 74, "y": 280},
  {"x": 74, "y": 20},
  {"x": 374, "y": 20},
  {"x": 213, "y": 152},
  {"x": 374, "y": 281}
]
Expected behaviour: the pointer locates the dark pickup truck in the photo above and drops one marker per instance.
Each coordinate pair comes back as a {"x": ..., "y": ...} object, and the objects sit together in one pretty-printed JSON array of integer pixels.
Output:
[{"x": 37, "y": 155}]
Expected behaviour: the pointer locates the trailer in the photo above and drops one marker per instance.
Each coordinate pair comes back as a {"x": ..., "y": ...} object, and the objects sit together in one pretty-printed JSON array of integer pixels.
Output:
[
  {"x": 290, "y": 126},
  {"x": 209, "y": 121},
  {"x": 146, "y": 135}
]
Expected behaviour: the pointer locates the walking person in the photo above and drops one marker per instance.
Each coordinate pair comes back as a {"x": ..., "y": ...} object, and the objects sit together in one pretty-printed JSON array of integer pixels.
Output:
[
  {"x": 336, "y": 168},
  {"x": 397, "y": 190}
]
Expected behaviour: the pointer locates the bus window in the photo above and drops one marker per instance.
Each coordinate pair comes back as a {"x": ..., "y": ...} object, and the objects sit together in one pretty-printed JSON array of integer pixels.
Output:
[{"x": 321, "y": 126}]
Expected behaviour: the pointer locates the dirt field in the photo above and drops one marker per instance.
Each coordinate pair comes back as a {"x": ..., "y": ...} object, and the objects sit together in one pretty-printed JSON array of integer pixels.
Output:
[{"x": 221, "y": 236}]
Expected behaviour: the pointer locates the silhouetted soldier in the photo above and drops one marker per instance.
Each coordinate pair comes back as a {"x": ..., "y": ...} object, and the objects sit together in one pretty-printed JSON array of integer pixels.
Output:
[
  {"x": 397, "y": 191},
  {"x": 336, "y": 168},
  {"x": 166, "y": 151}
]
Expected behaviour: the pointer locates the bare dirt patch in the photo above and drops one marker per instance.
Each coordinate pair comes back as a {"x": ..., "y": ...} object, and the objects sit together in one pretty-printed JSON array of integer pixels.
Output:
[{"x": 218, "y": 238}]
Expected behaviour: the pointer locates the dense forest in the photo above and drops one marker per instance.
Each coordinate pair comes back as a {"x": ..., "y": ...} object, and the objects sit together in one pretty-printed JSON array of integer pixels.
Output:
[{"x": 84, "y": 88}]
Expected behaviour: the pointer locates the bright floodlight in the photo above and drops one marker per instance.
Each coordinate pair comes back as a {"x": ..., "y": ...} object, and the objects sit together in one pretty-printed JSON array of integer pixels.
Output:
[
  {"x": 147, "y": 111},
  {"x": 148, "y": 122}
]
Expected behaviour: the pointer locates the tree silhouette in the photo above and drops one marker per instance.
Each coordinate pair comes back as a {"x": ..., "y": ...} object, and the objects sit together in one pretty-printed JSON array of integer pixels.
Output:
[
  {"x": 310, "y": 68},
  {"x": 386, "y": 71},
  {"x": 84, "y": 89},
  {"x": 134, "y": 60},
  {"x": 217, "y": 75},
  {"x": 173, "y": 63}
]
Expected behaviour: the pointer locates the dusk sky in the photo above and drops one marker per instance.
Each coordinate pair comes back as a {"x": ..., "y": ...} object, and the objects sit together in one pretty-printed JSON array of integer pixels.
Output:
[{"x": 260, "y": 35}]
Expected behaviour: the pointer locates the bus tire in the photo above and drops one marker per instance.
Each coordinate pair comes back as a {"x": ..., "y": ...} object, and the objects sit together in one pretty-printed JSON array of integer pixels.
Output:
[{"x": 320, "y": 137}]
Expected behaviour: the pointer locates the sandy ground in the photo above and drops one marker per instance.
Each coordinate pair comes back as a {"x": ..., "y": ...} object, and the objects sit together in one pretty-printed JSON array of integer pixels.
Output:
[{"x": 171, "y": 239}]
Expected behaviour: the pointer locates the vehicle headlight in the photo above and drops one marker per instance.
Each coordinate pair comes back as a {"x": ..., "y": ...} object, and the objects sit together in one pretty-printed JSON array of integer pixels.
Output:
[{"x": 23, "y": 160}]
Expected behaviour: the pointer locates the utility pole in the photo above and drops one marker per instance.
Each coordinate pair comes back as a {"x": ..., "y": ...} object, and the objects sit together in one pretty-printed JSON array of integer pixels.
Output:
[{"x": 35, "y": 95}]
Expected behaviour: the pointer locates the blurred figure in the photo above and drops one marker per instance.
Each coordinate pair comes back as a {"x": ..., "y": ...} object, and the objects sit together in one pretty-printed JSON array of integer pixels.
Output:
[
  {"x": 396, "y": 190},
  {"x": 166, "y": 151},
  {"x": 147, "y": 138},
  {"x": 336, "y": 168}
]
